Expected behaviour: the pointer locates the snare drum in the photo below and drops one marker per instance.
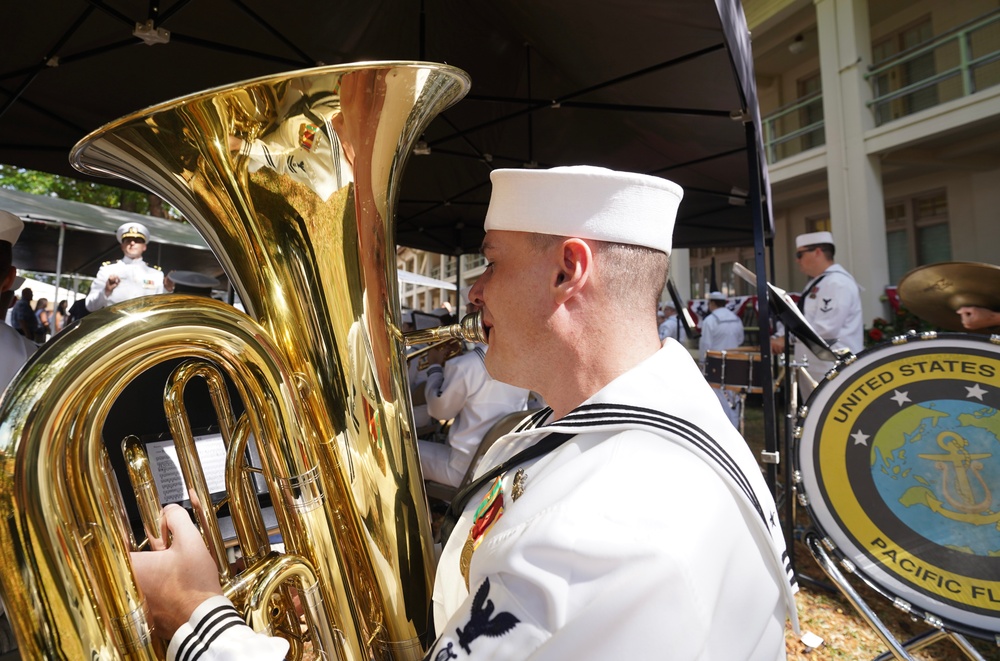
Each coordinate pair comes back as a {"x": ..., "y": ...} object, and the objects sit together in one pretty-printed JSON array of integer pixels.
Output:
[
  {"x": 735, "y": 369},
  {"x": 899, "y": 456}
]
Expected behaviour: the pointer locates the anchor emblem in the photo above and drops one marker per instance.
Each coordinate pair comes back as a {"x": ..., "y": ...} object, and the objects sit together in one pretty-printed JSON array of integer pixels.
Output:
[{"x": 958, "y": 468}]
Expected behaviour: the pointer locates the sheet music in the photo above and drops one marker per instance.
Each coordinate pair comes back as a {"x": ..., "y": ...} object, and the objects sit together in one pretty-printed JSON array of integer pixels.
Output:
[{"x": 166, "y": 467}]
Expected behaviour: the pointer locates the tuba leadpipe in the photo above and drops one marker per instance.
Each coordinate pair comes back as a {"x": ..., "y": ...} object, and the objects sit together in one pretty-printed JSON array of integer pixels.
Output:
[
  {"x": 292, "y": 179},
  {"x": 469, "y": 328}
]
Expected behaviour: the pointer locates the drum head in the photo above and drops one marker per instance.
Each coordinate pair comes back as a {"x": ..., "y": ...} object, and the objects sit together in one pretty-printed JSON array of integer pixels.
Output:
[{"x": 900, "y": 463}]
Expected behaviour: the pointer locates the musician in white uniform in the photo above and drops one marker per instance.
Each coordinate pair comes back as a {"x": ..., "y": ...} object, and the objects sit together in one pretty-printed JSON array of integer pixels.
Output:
[
  {"x": 129, "y": 277},
  {"x": 645, "y": 530},
  {"x": 830, "y": 302},
  {"x": 15, "y": 349},
  {"x": 671, "y": 326},
  {"x": 721, "y": 330},
  {"x": 461, "y": 389}
]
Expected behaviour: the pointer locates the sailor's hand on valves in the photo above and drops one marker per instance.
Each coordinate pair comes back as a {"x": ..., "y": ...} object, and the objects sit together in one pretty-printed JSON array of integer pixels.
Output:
[
  {"x": 110, "y": 285},
  {"x": 175, "y": 580}
]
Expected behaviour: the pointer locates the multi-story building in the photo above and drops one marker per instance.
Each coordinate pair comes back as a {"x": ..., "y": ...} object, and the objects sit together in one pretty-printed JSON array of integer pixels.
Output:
[
  {"x": 881, "y": 122},
  {"x": 416, "y": 296}
]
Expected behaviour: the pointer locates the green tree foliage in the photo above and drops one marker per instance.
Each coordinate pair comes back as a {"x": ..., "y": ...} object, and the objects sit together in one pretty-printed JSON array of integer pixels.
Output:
[
  {"x": 67, "y": 188},
  {"x": 82, "y": 286}
]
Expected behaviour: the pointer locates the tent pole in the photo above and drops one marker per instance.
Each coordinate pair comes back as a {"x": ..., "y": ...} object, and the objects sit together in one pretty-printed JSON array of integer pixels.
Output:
[
  {"x": 459, "y": 312},
  {"x": 770, "y": 457},
  {"x": 59, "y": 262}
]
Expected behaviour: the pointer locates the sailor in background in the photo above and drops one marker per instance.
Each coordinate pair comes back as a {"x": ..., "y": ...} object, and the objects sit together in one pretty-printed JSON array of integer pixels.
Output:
[
  {"x": 830, "y": 302},
  {"x": 671, "y": 325},
  {"x": 130, "y": 277},
  {"x": 15, "y": 350},
  {"x": 721, "y": 330}
]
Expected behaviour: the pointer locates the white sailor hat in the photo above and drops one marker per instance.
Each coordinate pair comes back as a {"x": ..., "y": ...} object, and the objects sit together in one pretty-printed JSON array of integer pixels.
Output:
[
  {"x": 132, "y": 231},
  {"x": 586, "y": 202},
  {"x": 10, "y": 227},
  {"x": 669, "y": 304},
  {"x": 717, "y": 296},
  {"x": 813, "y": 239}
]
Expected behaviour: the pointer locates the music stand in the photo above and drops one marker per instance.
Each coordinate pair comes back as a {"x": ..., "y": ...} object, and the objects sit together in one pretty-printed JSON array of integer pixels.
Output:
[
  {"x": 682, "y": 311},
  {"x": 786, "y": 310},
  {"x": 788, "y": 313}
]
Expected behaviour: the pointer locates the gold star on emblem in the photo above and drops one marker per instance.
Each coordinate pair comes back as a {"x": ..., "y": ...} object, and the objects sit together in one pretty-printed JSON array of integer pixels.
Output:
[{"x": 517, "y": 489}]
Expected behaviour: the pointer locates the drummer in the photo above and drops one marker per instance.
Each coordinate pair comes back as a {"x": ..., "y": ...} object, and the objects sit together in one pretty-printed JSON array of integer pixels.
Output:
[
  {"x": 721, "y": 330},
  {"x": 830, "y": 302},
  {"x": 977, "y": 318}
]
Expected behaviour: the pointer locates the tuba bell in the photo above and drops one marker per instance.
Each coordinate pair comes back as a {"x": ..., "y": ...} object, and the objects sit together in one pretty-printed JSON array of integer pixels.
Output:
[{"x": 292, "y": 179}]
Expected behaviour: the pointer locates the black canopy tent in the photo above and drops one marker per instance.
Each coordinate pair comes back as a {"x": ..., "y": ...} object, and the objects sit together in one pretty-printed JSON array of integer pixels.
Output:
[
  {"x": 66, "y": 237},
  {"x": 654, "y": 86},
  {"x": 664, "y": 87}
]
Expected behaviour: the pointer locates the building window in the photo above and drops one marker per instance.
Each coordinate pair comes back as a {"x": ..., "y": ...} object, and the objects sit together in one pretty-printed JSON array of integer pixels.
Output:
[
  {"x": 933, "y": 241},
  {"x": 818, "y": 224},
  {"x": 472, "y": 261},
  {"x": 811, "y": 114},
  {"x": 908, "y": 73},
  {"x": 917, "y": 233}
]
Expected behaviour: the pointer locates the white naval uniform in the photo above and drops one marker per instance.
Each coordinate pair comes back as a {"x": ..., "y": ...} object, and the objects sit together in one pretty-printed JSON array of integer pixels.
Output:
[
  {"x": 136, "y": 278},
  {"x": 722, "y": 330},
  {"x": 649, "y": 534},
  {"x": 417, "y": 377},
  {"x": 465, "y": 391},
  {"x": 833, "y": 308},
  {"x": 15, "y": 350},
  {"x": 672, "y": 327},
  {"x": 216, "y": 632}
]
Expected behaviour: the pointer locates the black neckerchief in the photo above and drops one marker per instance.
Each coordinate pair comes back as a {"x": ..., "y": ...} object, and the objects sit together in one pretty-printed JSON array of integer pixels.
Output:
[
  {"x": 812, "y": 285},
  {"x": 543, "y": 446}
]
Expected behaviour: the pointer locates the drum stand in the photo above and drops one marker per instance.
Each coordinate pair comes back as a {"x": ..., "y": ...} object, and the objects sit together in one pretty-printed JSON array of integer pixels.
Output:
[
  {"x": 897, "y": 650},
  {"x": 790, "y": 372}
]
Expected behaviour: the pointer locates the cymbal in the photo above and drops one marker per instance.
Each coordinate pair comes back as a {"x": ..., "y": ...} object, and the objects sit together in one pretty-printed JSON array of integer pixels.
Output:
[{"x": 936, "y": 291}]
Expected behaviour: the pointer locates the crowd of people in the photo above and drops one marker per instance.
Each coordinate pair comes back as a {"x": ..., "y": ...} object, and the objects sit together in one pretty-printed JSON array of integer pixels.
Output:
[{"x": 116, "y": 281}]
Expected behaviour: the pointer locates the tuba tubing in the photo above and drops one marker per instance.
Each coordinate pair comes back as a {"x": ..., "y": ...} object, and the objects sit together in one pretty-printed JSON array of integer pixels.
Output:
[
  {"x": 50, "y": 419},
  {"x": 292, "y": 179}
]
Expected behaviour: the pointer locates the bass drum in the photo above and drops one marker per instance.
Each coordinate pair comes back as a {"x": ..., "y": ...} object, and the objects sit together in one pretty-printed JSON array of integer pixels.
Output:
[{"x": 899, "y": 457}]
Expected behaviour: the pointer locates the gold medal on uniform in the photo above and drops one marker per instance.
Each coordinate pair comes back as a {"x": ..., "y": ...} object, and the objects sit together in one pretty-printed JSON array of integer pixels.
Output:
[
  {"x": 488, "y": 513},
  {"x": 517, "y": 488}
]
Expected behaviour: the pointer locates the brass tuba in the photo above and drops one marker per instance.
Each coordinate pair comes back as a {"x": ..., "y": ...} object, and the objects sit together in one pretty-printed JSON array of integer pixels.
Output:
[{"x": 292, "y": 179}]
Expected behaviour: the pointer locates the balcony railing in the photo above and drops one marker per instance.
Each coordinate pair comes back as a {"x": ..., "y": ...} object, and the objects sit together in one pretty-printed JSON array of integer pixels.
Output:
[
  {"x": 953, "y": 65},
  {"x": 794, "y": 128}
]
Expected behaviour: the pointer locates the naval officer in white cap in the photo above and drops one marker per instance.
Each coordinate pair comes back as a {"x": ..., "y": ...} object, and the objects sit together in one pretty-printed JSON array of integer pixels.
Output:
[
  {"x": 830, "y": 302},
  {"x": 628, "y": 520},
  {"x": 15, "y": 349},
  {"x": 129, "y": 277}
]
